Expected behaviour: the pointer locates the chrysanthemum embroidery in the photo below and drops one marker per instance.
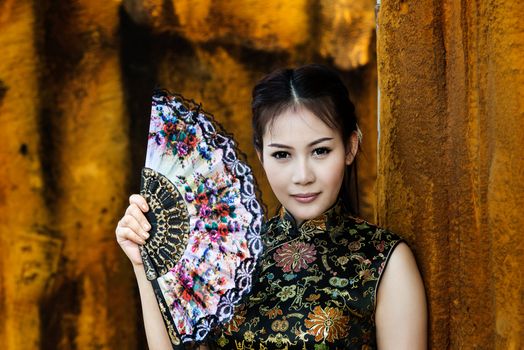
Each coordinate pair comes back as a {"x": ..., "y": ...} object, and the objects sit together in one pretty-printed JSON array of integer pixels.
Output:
[
  {"x": 295, "y": 256},
  {"x": 329, "y": 324}
]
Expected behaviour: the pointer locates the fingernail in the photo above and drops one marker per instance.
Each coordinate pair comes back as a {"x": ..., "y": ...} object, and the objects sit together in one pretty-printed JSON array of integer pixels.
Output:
[
  {"x": 146, "y": 227},
  {"x": 144, "y": 207},
  {"x": 147, "y": 235}
]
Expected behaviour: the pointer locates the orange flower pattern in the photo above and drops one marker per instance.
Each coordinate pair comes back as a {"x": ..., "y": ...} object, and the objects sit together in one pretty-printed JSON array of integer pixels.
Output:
[
  {"x": 315, "y": 286},
  {"x": 329, "y": 323}
]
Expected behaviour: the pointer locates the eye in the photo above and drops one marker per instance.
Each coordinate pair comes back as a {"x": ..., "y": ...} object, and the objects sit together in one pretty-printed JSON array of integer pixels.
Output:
[
  {"x": 321, "y": 151},
  {"x": 280, "y": 155}
]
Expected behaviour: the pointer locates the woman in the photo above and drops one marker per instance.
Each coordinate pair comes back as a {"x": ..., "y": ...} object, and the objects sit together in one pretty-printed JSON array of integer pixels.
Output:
[{"x": 319, "y": 277}]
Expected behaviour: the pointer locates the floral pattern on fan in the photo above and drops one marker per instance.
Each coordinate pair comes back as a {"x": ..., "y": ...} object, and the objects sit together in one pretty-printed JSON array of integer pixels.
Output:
[
  {"x": 210, "y": 266},
  {"x": 174, "y": 131}
]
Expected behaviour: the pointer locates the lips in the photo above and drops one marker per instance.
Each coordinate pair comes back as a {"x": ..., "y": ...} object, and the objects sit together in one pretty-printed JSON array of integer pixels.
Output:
[{"x": 305, "y": 197}]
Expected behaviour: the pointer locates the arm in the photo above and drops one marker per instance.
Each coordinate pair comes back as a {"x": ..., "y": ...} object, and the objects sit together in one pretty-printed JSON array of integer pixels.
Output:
[
  {"x": 130, "y": 232},
  {"x": 401, "y": 313},
  {"x": 156, "y": 332}
]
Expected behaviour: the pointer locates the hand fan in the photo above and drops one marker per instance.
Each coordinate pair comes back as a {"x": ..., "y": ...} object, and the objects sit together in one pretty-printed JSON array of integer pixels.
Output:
[{"x": 205, "y": 237}]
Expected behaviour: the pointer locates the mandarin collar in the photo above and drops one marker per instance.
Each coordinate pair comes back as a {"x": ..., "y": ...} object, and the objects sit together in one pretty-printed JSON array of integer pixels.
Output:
[{"x": 320, "y": 223}]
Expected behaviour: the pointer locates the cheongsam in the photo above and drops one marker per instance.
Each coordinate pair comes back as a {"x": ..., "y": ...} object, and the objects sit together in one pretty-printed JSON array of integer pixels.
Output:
[{"x": 316, "y": 285}]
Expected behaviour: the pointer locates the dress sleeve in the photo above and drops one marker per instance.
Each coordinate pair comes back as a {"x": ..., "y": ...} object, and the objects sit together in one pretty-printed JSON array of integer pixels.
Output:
[{"x": 385, "y": 247}]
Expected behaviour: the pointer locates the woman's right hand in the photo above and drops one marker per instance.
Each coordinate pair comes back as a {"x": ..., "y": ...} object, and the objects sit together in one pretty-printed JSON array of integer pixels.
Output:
[{"x": 133, "y": 228}]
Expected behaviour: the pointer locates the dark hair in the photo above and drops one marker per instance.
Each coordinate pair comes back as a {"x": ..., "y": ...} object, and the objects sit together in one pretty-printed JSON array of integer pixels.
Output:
[{"x": 322, "y": 92}]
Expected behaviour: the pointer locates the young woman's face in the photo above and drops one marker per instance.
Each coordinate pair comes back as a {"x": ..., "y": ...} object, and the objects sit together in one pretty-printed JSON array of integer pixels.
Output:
[{"x": 304, "y": 160}]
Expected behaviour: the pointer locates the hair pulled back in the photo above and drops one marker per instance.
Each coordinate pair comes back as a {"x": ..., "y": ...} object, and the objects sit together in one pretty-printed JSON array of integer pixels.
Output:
[{"x": 318, "y": 89}]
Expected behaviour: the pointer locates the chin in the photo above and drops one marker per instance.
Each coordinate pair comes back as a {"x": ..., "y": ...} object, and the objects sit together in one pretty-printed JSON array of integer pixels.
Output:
[{"x": 308, "y": 211}]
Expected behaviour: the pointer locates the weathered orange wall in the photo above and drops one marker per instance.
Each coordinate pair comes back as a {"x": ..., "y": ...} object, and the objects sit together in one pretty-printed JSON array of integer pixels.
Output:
[
  {"x": 29, "y": 254},
  {"x": 450, "y": 164},
  {"x": 64, "y": 145},
  {"x": 75, "y": 84}
]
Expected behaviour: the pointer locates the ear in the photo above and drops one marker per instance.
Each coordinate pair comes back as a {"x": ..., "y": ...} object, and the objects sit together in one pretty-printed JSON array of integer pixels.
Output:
[
  {"x": 259, "y": 155},
  {"x": 351, "y": 147}
]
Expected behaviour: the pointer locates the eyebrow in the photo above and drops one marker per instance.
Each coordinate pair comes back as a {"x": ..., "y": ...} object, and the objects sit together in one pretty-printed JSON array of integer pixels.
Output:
[{"x": 279, "y": 145}]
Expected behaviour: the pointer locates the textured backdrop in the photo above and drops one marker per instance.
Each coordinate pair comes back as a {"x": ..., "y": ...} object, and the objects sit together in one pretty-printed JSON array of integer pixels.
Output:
[
  {"x": 450, "y": 164},
  {"x": 446, "y": 173}
]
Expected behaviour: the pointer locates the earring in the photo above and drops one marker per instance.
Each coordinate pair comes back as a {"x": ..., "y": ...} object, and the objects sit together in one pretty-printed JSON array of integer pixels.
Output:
[{"x": 359, "y": 135}]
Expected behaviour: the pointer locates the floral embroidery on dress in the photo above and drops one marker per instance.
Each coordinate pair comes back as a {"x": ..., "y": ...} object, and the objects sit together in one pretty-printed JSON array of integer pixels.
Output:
[
  {"x": 295, "y": 256},
  {"x": 316, "y": 285},
  {"x": 329, "y": 324},
  {"x": 238, "y": 319},
  {"x": 287, "y": 292}
]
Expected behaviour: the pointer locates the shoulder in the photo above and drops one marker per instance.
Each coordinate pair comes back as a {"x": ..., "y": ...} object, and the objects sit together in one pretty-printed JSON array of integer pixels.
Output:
[
  {"x": 269, "y": 232},
  {"x": 401, "y": 314},
  {"x": 269, "y": 226},
  {"x": 402, "y": 266},
  {"x": 362, "y": 234}
]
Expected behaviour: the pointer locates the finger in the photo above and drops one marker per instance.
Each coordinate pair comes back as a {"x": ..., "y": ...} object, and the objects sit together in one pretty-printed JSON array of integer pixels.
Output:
[
  {"x": 139, "y": 216},
  {"x": 129, "y": 221},
  {"x": 139, "y": 201},
  {"x": 127, "y": 233}
]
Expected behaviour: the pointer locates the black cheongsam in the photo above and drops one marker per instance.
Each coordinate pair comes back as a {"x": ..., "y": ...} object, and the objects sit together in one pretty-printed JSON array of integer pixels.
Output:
[{"x": 316, "y": 285}]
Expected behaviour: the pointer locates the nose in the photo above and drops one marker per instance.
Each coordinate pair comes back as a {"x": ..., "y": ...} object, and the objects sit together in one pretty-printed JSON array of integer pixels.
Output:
[{"x": 303, "y": 173}]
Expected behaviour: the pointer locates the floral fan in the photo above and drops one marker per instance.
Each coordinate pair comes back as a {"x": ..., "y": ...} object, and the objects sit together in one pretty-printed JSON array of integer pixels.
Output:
[{"x": 205, "y": 237}]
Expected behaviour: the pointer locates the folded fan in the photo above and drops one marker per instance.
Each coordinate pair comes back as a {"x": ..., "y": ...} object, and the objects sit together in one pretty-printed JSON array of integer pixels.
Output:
[{"x": 205, "y": 237}]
